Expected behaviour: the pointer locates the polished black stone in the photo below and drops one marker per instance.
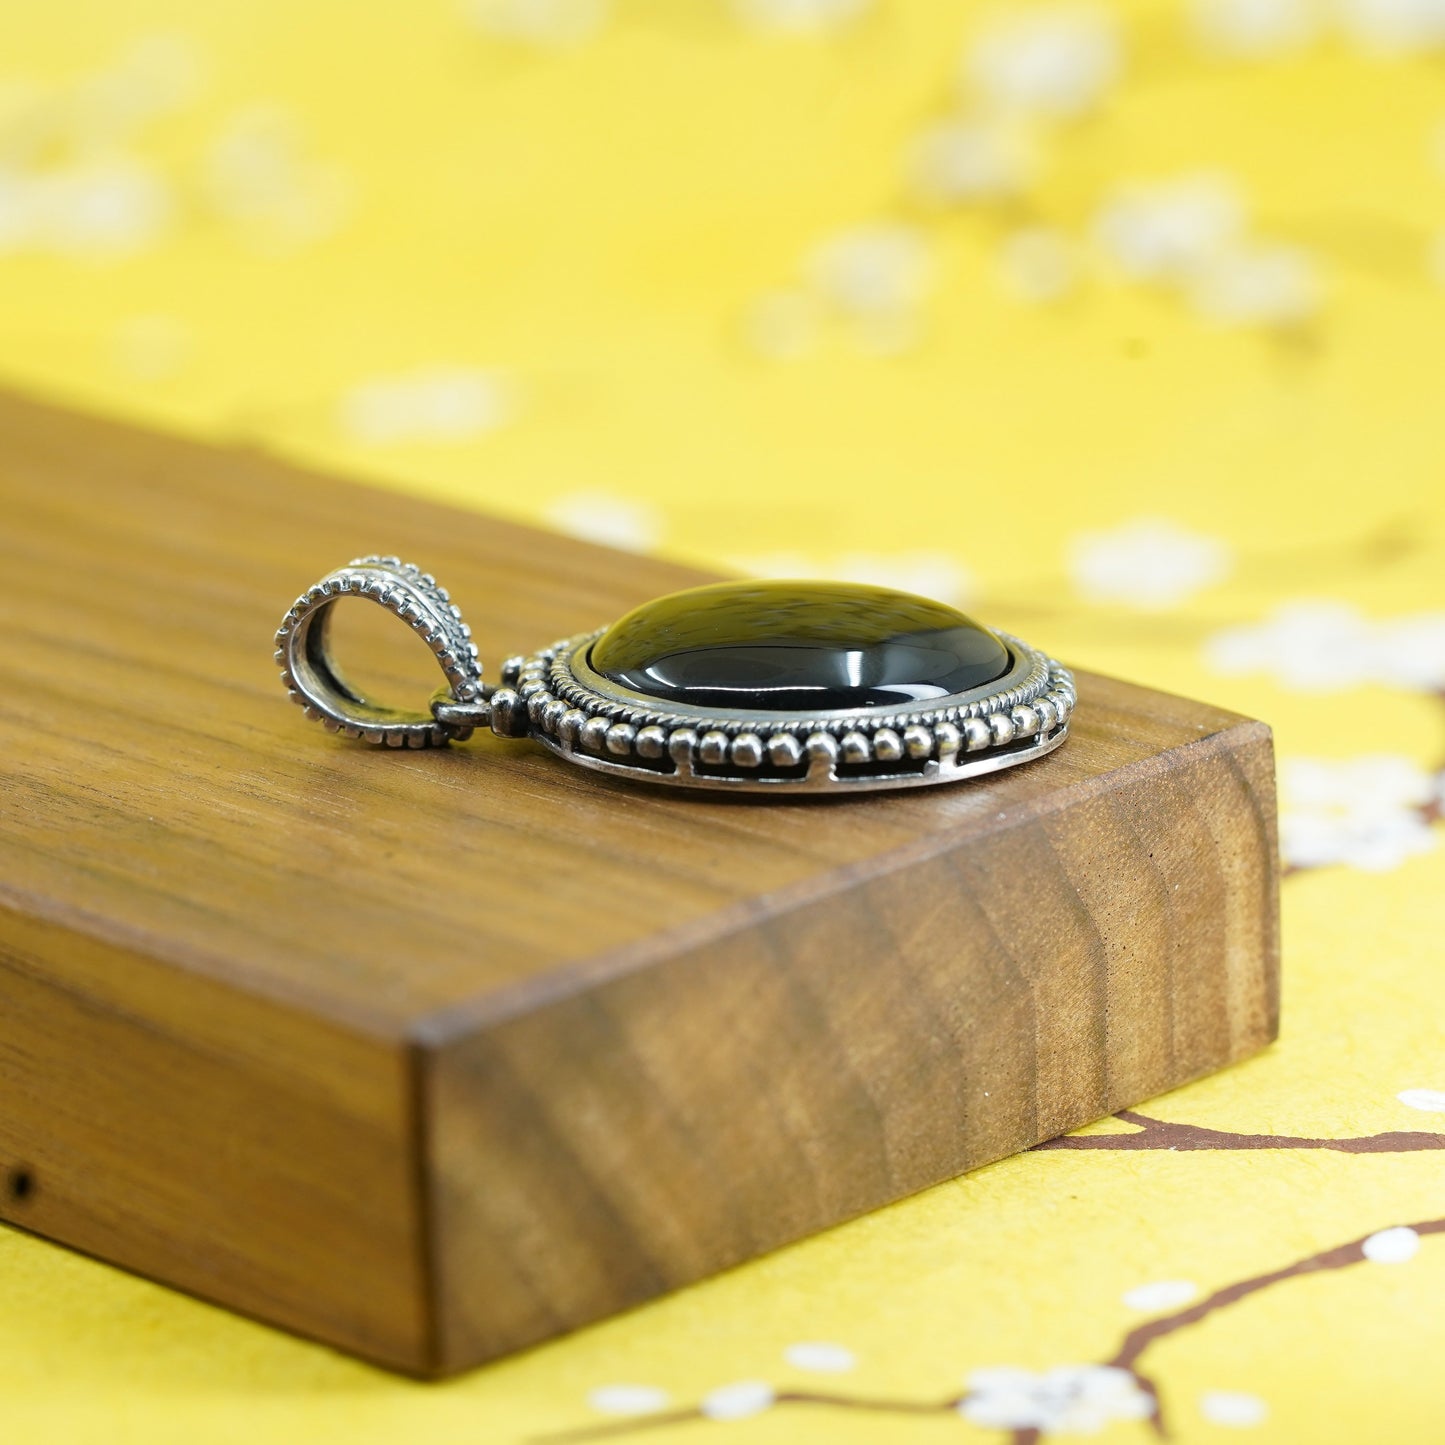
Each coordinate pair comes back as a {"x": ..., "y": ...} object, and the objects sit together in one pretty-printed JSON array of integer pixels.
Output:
[{"x": 798, "y": 647}]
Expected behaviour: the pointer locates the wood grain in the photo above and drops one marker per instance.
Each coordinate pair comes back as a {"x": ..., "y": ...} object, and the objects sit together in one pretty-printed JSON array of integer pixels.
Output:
[{"x": 436, "y": 1055}]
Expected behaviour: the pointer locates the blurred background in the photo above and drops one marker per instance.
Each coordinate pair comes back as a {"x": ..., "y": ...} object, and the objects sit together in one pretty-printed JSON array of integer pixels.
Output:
[
  {"x": 1119, "y": 323},
  {"x": 1122, "y": 325}
]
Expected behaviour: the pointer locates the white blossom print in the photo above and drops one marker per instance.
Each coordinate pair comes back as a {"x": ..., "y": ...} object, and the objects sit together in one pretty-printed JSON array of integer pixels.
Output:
[
  {"x": 609, "y": 519},
  {"x": 1258, "y": 285},
  {"x": 259, "y": 176},
  {"x": 1394, "y": 27},
  {"x": 431, "y": 404},
  {"x": 875, "y": 278},
  {"x": 1323, "y": 646},
  {"x": 800, "y": 17},
  {"x": 1162, "y": 1294},
  {"x": 73, "y": 180},
  {"x": 1077, "y": 1399},
  {"x": 1148, "y": 563},
  {"x": 1069, "y": 1399},
  {"x": 540, "y": 23},
  {"x": 1392, "y": 1246},
  {"x": 628, "y": 1399},
  {"x": 1056, "y": 62},
  {"x": 737, "y": 1401},
  {"x": 821, "y": 1356},
  {"x": 973, "y": 160},
  {"x": 1255, "y": 29},
  {"x": 1372, "y": 813},
  {"x": 1431, "y": 1101},
  {"x": 1170, "y": 230},
  {"x": 1233, "y": 1408}
]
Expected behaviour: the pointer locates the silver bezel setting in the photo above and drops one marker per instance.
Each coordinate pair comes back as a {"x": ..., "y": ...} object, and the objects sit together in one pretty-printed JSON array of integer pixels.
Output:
[{"x": 590, "y": 720}]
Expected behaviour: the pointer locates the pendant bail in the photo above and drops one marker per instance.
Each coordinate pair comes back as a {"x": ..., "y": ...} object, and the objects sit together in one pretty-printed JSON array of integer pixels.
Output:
[{"x": 310, "y": 673}]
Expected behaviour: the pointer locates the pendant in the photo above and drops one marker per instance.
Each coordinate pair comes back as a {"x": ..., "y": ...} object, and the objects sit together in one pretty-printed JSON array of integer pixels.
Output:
[{"x": 763, "y": 686}]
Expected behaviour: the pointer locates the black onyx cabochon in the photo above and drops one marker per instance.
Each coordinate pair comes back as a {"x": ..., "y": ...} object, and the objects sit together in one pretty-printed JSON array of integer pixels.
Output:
[{"x": 798, "y": 647}]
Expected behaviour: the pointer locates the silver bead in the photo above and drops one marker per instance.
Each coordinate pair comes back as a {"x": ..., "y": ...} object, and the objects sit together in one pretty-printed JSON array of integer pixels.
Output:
[
  {"x": 977, "y": 735},
  {"x": 784, "y": 750},
  {"x": 536, "y": 703},
  {"x": 512, "y": 670},
  {"x": 917, "y": 741},
  {"x": 887, "y": 745},
  {"x": 948, "y": 738},
  {"x": 1001, "y": 725},
  {"x": 651, "y": 742},
  {"x": 569, "y": 727},
  {"x": 822, "y": 750},
  {"x": 594, "y": 734},
  {"x": 747, "y": 750},
  {"x": 713, "y": 747},
  {"x": 854, "y": 748},
  {"x": 1048, "y": 714},
  {"x": 1025, "y": 720},
  {"x": 552, "y": 714},
  {"x": 530, "y": 686},
  {"x": 620, "y": 737},
  {"x": 680, "y": 744},
  {"x": 508, "y": 716}
]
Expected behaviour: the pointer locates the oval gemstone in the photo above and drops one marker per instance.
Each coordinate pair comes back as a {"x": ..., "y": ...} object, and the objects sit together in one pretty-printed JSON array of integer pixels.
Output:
[{"x": 798, "y": 647}]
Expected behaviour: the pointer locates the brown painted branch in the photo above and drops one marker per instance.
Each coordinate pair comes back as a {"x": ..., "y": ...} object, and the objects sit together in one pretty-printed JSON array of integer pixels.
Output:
[
  {"x": 1162, "y": 1134},
  {"x": 1133, "y": 1346},
  {"x": 1340, "y": 1257},
  {"x": 783, "y": 1397}
]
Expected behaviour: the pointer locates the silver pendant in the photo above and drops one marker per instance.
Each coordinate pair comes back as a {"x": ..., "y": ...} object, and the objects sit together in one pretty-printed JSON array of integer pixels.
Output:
[{"x": 766, "y": 687}]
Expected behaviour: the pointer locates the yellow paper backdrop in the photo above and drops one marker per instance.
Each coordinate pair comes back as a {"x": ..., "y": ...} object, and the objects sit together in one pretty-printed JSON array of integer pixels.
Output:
[{"x": 1124, "y": 326}]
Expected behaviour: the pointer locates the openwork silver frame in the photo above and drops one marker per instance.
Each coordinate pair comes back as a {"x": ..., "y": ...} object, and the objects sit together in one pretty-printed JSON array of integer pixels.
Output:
[{"x": 590, "y": 720}]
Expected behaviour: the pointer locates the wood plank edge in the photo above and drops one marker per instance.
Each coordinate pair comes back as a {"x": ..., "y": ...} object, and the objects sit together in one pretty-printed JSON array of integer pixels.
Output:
[{"x": 456, "y": 1022}]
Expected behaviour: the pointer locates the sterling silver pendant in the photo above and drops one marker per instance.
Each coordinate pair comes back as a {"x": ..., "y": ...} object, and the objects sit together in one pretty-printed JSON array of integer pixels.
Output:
[{"x": 767, "y": 687}]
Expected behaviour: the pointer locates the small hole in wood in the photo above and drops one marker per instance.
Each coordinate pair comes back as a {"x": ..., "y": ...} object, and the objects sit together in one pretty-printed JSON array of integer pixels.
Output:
[{"x": 19, "y": 1185}]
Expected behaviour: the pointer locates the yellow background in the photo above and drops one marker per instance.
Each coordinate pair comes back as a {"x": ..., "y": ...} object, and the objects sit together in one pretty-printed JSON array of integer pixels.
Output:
[{"x": 584, "y": 227}]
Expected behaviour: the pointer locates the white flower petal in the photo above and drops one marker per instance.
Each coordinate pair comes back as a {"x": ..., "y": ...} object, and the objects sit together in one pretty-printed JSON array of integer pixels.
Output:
[
  {"x": 1169, "y": 231},
  {"x": 628, "y": 1399},
  {"x": 1073, "y": 1399},
  {"x": 539, "y": 22},
  {"x": 972, "y": 161},
  {"x": 1254, "y": 28},
  {"x": 1432, "y": 1101},
  {"x": 434, "y": 404},
  {"x": 1316, "y": 646},
  {"x": 819, "y": 1355},
  {"x": 800, "y": 17},
  {"x": 1231, "y": 1407},
  {"x": 1392, "y": 1246},
  {"x": 1257, "y": 286},
  {"x": 871, "y": 271},
  {"x": 1394, "y": 27},
  {"x": 1057, "y": 62},
  {"x": 625, "y": 522},
  {"x": 1162, "y": 1294},
  {"x": 738, "y": 1401},
  {"x": 1146, "y": 562}
]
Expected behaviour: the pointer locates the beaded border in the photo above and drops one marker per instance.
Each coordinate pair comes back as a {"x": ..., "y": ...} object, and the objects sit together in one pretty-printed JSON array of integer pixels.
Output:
[{"x": 544, "y": 696}]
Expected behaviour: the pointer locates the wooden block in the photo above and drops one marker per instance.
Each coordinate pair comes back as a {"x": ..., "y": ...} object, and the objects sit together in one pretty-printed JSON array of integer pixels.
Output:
[{"x": 435, "y": 1055}]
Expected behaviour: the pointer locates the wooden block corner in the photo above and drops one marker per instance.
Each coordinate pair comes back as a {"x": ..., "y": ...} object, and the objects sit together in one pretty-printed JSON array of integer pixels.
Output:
[{"x": 436, "y": 1056}]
